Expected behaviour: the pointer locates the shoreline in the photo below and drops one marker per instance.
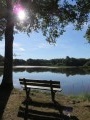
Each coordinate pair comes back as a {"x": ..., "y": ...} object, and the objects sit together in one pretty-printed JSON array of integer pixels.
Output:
[{"x": 53, "y": 67}]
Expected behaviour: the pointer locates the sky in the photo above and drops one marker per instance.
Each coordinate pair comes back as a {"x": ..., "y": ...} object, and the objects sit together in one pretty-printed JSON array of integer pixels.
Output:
[{"x": 72, "y": 43}]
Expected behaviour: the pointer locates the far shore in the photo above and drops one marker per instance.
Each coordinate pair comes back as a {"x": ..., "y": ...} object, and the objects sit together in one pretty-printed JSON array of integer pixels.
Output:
[
  {"x": 34, "y": 67},
  {"x": 24, "y": 66},
  {"x": 31, "y": 67}
]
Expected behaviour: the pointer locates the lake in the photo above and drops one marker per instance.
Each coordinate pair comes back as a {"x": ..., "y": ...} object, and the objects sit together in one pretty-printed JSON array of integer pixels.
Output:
[{"x": 74, "y": 81}]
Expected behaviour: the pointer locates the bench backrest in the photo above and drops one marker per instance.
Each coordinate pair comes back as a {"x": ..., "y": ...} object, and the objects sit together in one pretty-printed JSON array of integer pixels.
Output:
[{"x": 42, "y": 83}]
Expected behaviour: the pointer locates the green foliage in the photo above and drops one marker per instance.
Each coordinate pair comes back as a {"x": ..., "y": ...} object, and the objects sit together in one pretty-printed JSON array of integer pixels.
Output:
[
  {"x": 2, "y": 27},
  {"x": 38, "y": 62},
  {"x": 53, "y": 62},
  {"x": 3, "y": 3},
  {"x": 19, "y": 62},
  {"x": 88, "y": 34},
  {"x": 87, "y": 64},
  {"x": 49, "y": 16},
  {"x": 82, "y": 97},
  {"x": 87, "y": 97}
]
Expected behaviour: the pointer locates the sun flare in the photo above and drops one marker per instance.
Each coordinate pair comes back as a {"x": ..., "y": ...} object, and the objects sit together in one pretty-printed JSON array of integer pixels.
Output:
[
  {"x": 19, "y": 11},
  {"x": 21, "y": 14}
]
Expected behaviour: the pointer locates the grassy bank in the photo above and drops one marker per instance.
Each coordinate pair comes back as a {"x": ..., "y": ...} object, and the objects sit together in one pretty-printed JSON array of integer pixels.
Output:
[{"x": 13, "y": 106}]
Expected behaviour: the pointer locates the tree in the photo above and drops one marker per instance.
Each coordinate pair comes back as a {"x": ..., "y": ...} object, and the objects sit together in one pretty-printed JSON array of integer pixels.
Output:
[
  {"x": 49, "y": 16},
  {"x": 1, "y": 60}
]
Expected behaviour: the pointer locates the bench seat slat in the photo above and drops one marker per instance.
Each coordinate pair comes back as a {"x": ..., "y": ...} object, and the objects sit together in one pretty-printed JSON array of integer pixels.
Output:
[
  {"x": 40, "y": 81},
  {"x": 40, "y": 84},
  {"x": 43, "y": 88}
]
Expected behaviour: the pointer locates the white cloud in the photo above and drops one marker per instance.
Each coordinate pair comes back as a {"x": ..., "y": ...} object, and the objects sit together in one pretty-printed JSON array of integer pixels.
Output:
[
  {"x": 38, "y": 46},
  {"x": 22, "y": 49},
  {"x": 65, "y": 46},
  {"x": 18, "y": 47},
  {"x": 43, "y": 45}
]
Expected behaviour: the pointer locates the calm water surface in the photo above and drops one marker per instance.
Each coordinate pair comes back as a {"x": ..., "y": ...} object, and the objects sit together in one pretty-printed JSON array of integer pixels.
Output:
[{"x": 73, "y": 81}]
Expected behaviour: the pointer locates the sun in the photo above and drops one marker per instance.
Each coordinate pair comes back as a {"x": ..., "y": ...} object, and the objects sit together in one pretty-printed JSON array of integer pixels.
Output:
[
  {"x": 21, "y": 14},
  {"x": 19, "y": 11}
]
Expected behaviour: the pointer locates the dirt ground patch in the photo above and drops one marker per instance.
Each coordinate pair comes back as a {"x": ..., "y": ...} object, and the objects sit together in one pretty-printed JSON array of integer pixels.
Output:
[{"x": 40, "y": 107}]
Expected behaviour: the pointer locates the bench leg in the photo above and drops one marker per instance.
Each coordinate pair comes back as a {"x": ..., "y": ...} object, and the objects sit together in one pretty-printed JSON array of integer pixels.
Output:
[
  {"x": 53, "y": 95},
  {"x": 27, "y": 93}
]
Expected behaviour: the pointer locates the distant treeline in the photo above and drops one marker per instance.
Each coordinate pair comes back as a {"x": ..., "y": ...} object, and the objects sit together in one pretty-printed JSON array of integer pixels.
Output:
[{"x": 52, "y": 62}]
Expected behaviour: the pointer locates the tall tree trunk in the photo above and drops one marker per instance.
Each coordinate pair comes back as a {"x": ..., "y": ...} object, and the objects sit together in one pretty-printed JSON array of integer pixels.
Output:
[{"x": 8, "y": 63}]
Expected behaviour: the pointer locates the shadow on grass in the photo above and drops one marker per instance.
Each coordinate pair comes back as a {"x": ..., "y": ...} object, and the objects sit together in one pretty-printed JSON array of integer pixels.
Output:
[
  {"x": 54, "y": 111},
  {"x": 4, "y": 96}
]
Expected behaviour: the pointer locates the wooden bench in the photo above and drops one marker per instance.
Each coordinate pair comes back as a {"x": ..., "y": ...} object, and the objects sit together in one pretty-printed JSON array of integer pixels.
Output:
[{"x": 29, "y": 84}]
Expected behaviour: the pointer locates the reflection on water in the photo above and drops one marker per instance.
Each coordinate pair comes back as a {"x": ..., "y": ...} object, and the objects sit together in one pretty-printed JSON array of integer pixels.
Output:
[
  {"x": 73, "y": 80},
  {"x": 67, "y": 71}
]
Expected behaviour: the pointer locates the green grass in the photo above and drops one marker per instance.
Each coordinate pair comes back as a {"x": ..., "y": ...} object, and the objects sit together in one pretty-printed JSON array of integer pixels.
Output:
[{"x": 83, "y": 97}]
